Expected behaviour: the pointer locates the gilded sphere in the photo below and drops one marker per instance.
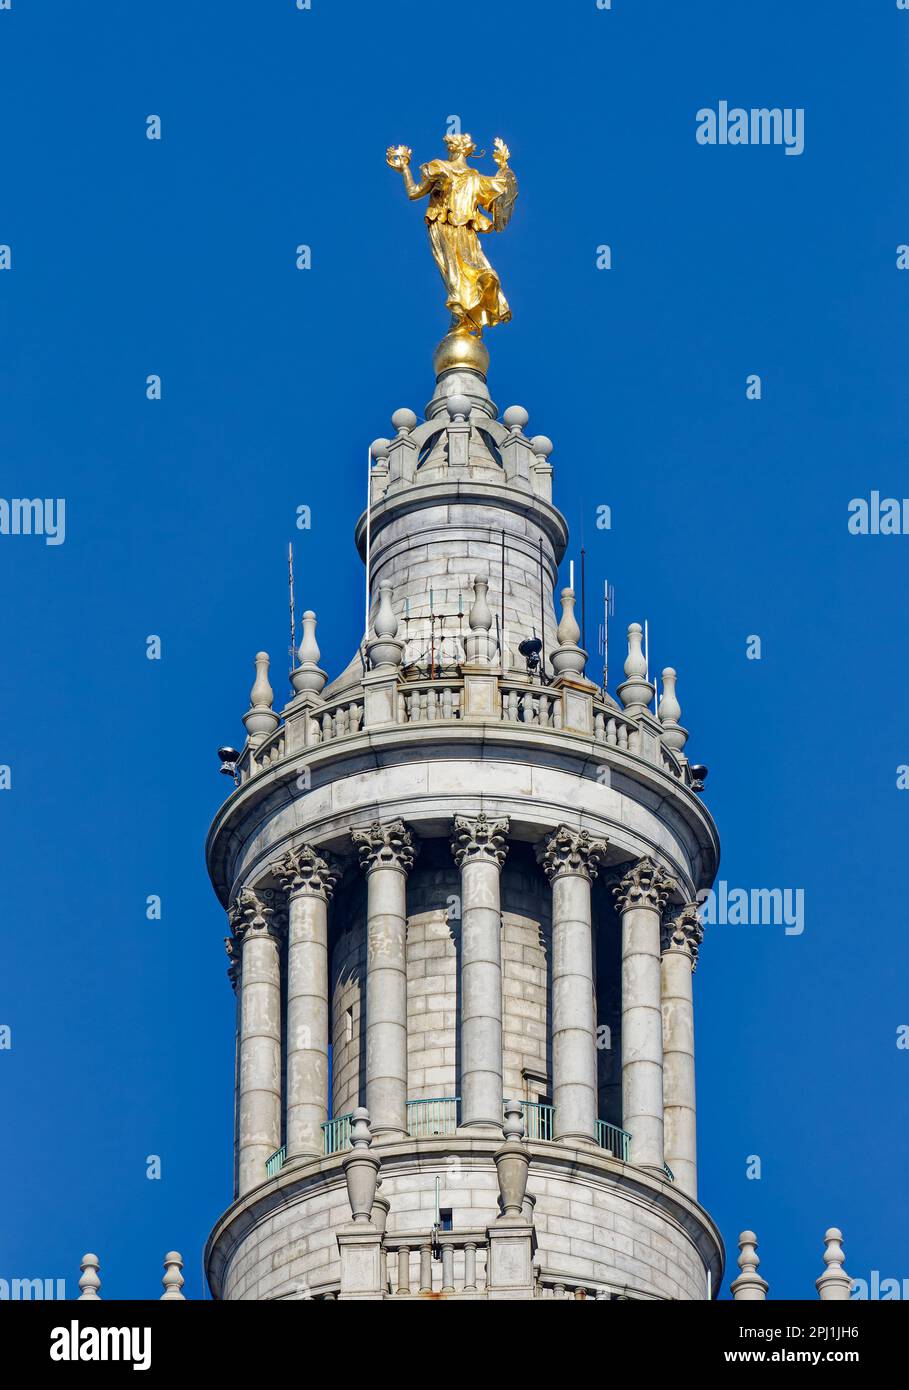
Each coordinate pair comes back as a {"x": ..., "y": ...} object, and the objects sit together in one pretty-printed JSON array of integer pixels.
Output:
[{"x": 461, "y": 352}]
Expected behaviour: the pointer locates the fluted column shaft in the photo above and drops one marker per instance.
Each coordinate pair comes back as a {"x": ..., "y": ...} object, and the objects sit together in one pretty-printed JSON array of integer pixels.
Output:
[
  {"x": 680, "y": 941},
  {"x": 570, "y": 860},
  {"x": 386, "y": 855},
  {"x": 641, "y": 897},
  {"x": 260, "y": 1038},
  {"x": 479, "y": 850},
  {"x": 309, "y": 879}
]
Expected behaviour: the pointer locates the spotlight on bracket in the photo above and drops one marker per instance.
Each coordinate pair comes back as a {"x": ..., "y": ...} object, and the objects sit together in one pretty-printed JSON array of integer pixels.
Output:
[
  {"x": 229, "y": 759},
  {"x": 530, "y": 649},
  {"x": 698, "y": 776}
]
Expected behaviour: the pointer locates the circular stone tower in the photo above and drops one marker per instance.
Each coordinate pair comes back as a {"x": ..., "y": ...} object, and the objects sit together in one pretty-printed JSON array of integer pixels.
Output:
[{"x": 460, "y": 881}]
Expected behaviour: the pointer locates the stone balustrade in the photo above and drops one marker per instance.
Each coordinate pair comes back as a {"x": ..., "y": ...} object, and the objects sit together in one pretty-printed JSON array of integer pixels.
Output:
[
  {"x": 437, "y": 1262},
  {"x": 532, "y": 705}
]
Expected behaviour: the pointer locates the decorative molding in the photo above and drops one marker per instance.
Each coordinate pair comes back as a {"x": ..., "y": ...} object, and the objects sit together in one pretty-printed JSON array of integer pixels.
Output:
[
  {"x": 389, "y": 846},
  {"x": 683, "y": 932},
  {"x": 477, "y": 838},
  {"x": 568, "y": 851},
  {"x": 303, "y": 869},
  {"x": 252, "y": 914},
  {"x": 644, "y": 885},
  {"x": 233, "y": 962}
]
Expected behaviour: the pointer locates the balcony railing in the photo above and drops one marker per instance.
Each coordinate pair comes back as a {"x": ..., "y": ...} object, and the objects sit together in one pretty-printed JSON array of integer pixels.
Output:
[
  {"x": 437, "y": 1115},
  {"x": 275, "y": 1163},
  {"x": 336, "y": 1134},
  {"x": 614, "y": 1139},
  {"x": 537, "y": 1119}
]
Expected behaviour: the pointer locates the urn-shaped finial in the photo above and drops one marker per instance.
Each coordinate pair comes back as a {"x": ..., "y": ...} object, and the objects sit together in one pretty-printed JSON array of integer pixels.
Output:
[
  {"x": 89, "y": 1281},
  {"x": 834, "y": 1284},
  {"x": 749, "y": 1287},
  {"x": 361, "y": 1168},
  {"x": 635, "y": 692},
  {"x": 479, "y": 644},
  {"x": 669, "y": 713},
  {"x": 308, "y": 675},
  {"x": 173, "y": 1280},
  {"x": 568, "y": 658},
  {"x": 512, "y": 1163},
  {"x": 260, "y": 719},
  {"x": 384, "y": 650}
]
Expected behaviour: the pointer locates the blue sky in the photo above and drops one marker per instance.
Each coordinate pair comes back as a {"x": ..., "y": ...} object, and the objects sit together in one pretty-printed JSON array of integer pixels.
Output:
[{"x": 176, "y": 257}]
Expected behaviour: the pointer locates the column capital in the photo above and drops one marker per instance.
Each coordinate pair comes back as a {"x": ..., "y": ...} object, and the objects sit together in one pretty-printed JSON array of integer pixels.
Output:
[
  {"x": 568, "y": 851},
  {"x": 303, "y": 869},
  {"x": 644, "y": 885},
  {"x": 479, "y": 839},
  {"x": 683, "y": 932},
  {"x": 252, "y": 915},
  {"x": 388, "y": 846}
]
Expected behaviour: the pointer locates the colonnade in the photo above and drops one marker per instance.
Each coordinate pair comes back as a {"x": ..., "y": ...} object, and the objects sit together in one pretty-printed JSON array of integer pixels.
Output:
[{"x": 659, "y": 952}]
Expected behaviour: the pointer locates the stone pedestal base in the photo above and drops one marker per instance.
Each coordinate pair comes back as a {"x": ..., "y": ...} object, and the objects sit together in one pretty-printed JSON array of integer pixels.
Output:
[
  {"x": 509, "y": 1271},
  {"x": 360, "y": 1248}
]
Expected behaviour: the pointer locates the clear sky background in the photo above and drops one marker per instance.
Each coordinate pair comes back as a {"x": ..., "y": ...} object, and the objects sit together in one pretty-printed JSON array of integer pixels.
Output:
[{"x": 177, "y": 257}]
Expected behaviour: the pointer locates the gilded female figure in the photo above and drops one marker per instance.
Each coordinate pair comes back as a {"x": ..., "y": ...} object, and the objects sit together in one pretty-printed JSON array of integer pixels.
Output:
[{"x": 463, "y": 203}]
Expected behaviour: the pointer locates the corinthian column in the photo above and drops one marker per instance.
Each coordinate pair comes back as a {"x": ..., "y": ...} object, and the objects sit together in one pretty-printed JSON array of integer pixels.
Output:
[
  {"x": 309, "y": 880},
  {"x": 570, "y": 860},
  {"x": 386, "y": 855},
  {"x": 641, "y": 897},
  {"x": 479, "y": 850},
  {"x": 681, "y": 940},
  {"x": 259, "y": 1127}
]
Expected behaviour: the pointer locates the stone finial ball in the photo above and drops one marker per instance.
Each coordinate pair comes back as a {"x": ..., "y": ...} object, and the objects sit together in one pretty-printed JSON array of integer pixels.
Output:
[
  {"x": 541, "y": 444},
  {"x": 458, "y": 407},
  {"x": 379, "y": 448},
  {"x": 404, "y": 420},
  {"x": 515, "y": 417}
]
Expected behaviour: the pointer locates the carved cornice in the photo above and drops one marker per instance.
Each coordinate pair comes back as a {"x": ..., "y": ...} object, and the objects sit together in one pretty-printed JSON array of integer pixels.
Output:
[
  {"x": 568, "y": 851},
  {"x": 683, "y": 932},
  {"x": 389, "y": 846},
  {"x": 644, "y": 885},
  {"x": 479, "y": 839},
  {"x": 303, "y": 869}
]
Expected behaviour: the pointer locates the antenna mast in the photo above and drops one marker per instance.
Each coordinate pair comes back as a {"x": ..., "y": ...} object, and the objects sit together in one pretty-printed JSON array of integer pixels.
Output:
[
  {"x": 368, "y": 537},
  {"x": 293, "y": 622}
]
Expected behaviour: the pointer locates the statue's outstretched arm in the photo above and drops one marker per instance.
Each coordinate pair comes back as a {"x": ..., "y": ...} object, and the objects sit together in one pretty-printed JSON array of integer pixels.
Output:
[{"x": 398, "y": 157}]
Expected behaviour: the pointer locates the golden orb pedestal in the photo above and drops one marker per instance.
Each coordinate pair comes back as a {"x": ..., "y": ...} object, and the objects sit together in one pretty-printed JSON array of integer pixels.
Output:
[{"x": 461, "y": 352}]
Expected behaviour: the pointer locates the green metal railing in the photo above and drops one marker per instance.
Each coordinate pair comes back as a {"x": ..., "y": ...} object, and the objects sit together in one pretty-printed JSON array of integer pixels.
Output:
[
  {"x": 615, "y": 1139},
  {"x": 275, "y": 1163},
  {"x": 537, "y": 1119},
  {"x": 436, "y": 1115},
  {"x": 336, "y": 1134}
]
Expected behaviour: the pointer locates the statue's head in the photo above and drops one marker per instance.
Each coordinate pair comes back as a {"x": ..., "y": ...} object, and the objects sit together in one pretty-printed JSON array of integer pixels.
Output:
[{"x": 460, "y": 144}]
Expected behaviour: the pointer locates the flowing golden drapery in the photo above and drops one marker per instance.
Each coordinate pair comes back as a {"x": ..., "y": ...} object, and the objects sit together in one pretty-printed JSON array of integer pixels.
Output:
[{"x": 455, "y": 217}]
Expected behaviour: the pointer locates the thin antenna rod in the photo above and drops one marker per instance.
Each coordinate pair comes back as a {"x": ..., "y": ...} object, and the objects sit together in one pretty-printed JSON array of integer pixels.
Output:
[
  {"x": 368, "y": 536},
  {"x": 583, "y": 603},
  {"x": 501, "y": 634},
  {"x": 605, "y": 633},
  {"x": 293, "y": 621},
  {"x": 542, "y": 622}
]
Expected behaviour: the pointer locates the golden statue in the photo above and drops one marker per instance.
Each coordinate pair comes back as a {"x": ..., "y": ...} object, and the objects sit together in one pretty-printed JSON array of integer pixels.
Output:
[{"x": 462, "y": 203}]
